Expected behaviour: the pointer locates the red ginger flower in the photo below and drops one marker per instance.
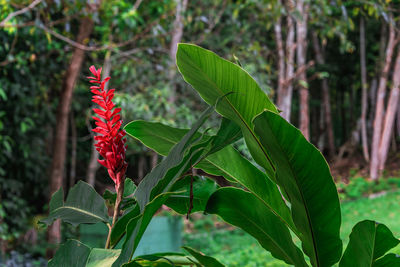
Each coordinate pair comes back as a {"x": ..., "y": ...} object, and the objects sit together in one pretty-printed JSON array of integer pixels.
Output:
[{"x": 110, "y": 139}]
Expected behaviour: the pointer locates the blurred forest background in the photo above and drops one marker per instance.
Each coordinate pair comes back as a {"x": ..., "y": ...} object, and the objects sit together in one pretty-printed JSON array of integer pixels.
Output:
[{"x": 331, "y": 66}]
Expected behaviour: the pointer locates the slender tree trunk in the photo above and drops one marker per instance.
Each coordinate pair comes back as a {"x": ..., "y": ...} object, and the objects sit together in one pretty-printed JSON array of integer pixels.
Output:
[
  {"x": 72, "y": 172},
  {"x": 301, "y": 25},
  {"x": 60, "y": 142},
  {"x": 379, "y": 110},
  {"x": 281, "y": 62},
  {"x": 398, "y": 123},
  {"x": 176, "y": 38},
  {"x": 288, "y": 85},
  {"x": 94, "y": 156},
  {"x": 390, "y": 115},
  {"x": 326, "y": 99},
  {"x": 364, "y": 91}
]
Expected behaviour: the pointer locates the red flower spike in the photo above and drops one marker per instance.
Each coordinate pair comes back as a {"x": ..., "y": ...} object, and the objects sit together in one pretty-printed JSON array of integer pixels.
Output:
[{"x": 110, "y": 141}]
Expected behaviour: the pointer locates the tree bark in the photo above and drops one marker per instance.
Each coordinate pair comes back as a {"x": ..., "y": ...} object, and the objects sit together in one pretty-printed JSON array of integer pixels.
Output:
[
  {"x": 281, "y": 62},
  {"x": 379, "y": 110},
  {"x": 290, "y": 54},
  {"x": 301, "y": 25},
  {"x": 60, "y": 141},
  {"x": 390, "y": 116},
  {"x": 176, "y": 38},
  {"x": 72, "y": 172},
  {"x": 94, "y": 156},
  {"x": 364, "y": 91},
  {"x": 326, "y": 99}
]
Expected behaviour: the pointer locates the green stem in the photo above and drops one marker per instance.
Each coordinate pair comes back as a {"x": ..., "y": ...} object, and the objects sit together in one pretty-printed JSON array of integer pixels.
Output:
[{"x": 120, "y": 192}]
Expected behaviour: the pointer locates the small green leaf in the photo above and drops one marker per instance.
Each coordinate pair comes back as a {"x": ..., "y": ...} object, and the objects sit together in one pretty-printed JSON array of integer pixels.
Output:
[
  {"x": 204, "y": 260},
  {"x": 102, "y": 257},
  {"x": 83, "y": 205},
  {"x": 72, "y": 253}
]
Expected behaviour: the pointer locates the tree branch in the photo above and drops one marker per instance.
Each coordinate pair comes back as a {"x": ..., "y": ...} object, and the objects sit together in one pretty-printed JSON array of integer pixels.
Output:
[{"x": 19, "y": 12}]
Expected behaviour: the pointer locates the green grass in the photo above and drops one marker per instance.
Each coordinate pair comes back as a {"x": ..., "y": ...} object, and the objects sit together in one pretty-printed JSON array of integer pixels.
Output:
[{"x": 236, "y": 248}]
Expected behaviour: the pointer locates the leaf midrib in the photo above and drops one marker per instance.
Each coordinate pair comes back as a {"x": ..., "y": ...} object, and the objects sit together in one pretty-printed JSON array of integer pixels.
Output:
[
  {"x": 234, "y": 109},
  {"x": 81, "y": 211},
  {"x": 302, "y": 197}
]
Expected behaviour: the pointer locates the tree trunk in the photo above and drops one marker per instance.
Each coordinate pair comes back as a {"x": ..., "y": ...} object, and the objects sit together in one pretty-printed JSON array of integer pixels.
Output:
[
  {"x": 326, "y": 99},
  {"x": 176, "y": 38},
  {"x": 60, "y": 141},
  {"x": 379, "y": 110},
  {"x": 390, "y": 115},
  {"x": 94, "y": 156},
  {"x": 364, "y": 91},
  {"x": 72, "y": 172},
  {"x": 288, "y": 85},
  {"x": 301, "y": 25},
  {"x": 281, "y": 62}
]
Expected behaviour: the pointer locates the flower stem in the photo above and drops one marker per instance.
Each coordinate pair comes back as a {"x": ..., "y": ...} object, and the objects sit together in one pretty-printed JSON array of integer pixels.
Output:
[{"x": 120, "y": 192}]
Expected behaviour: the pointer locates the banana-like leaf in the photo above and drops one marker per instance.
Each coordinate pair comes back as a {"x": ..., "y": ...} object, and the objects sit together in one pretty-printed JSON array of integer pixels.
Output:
[
  {"x": 213, "y": 78},
  {"x": 244, "y": 210},
  {"x": 202, "y": 190},
  {"x": 390, "y": 259},
  {"x": 83, "y": 205},
  {"x": 71, "y": 253},
  {"x": 303, "y": 174},
  {"x": 204, "y": 260},
  {"x": 227, "y": 162},
  {"x": 136, "y": 228},
  {"x": 119, "y": 228},
  {"x": 369, "y": 241},
  {"x": 155, "y": 188}
]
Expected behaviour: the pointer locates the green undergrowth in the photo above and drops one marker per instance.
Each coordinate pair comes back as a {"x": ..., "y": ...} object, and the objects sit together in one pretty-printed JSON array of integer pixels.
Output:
[{"x": 233, "y": 247}]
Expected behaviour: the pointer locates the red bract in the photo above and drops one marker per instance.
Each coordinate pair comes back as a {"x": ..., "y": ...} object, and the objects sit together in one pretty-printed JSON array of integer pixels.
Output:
[{"x": 110, "y": 139}]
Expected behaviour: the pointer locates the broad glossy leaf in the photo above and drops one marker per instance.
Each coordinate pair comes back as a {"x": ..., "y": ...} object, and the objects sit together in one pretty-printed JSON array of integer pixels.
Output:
[
  {"x": 136, "y": 228},
  {"x": 368, "y": 242},
  {"x": 72, "y": 253},
  {"x": 119, "y": 228},
  {"x": 102, "y": 257},
  {"x": 388, "y": 260},
  {"x": 204, "y": 260},
  {"x": 83, "y": 205},
  {"x": 154, "y": 189},
  {"x": 244, "y": 210},
  {"x": 202, "y": 190},
  {"x": 227, "y": 162},
  {"x": 303, "y": 174},
  {"x": 242, "y": 99}
]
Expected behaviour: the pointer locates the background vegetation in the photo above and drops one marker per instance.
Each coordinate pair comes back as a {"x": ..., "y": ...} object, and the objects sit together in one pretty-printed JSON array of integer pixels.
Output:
[{"x": 332, "y": 67}]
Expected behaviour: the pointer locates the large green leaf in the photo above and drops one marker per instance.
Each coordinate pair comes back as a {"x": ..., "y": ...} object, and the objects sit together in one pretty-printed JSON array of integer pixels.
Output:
[
  {"x": 119, "y": 228},
  {"x": 388, "y": 260},
  {"x": 227, "y": 162},
  {"x": 214, "y": 77},
  {"x": 83, "y": 205},
  {"x": 204, "y": 260},
  {"x": 368, "y": 242},
  {"x": 304, "y": 176},
  {"x": 102, "y": 257},
  {"x": 202, "y": 190},
  {"x": 244, "y": 210},
  {"x": 137, "y": 226},
  {"x": 155, "y": 188},
  {"x": 72, "y": 253}
]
